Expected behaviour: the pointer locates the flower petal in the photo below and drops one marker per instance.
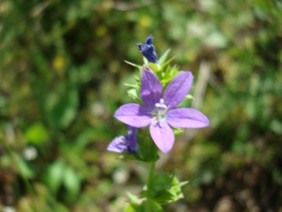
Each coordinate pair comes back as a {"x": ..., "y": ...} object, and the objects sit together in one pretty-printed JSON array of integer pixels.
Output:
[
  {"x": 119, "y": 144},
  {"x": 131, "y": 139},
  {"x": 151, "y": 88},
  {"x": 178, "y": 88},
  {"x": 163, "y": 136},
  {"x": 127, "y": 142},
  {"x": 134, "y": 115},
  {"x": 186, "y": 118}
]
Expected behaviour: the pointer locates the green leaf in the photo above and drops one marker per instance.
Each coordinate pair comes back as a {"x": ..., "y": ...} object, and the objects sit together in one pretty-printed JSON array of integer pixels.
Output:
[
  {"x": 55, "y": 175},
  {"x": 71, "y": 181},
  {"x": 133, "y": 198},
  {"x": 36, "y": 133},
  {"x": 62, "y": 106},
  {"x": 166, "y": 188},
  {"x": 23, "y": 168},
  {"x": 146, "y": 206}
]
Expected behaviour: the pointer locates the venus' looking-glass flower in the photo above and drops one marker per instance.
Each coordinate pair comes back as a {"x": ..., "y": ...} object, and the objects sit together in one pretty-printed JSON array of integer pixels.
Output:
[
  {"x": 148, "y": 50},
  {"x": 159, "y": 111},
  {"x": 122, "y": 143}
]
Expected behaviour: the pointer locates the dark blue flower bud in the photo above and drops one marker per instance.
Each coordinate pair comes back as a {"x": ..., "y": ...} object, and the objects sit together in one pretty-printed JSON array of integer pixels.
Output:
[{"x": 148, "y": 50}]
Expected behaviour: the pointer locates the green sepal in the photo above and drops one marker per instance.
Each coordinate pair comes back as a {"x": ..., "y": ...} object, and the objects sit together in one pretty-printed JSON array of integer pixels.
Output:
[
  {"x": 133, "y": 64},
  {"x": 167, "y": 75},
  {"x": 155, "y": 67},
  {"x": 132, "y": 93},
  {"x": 164, "y": 56},
  {"x": 177, "y": 131}
]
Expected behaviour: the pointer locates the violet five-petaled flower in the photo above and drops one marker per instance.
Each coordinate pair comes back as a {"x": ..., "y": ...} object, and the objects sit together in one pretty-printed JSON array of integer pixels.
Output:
[
  {"x": 148, "y": 50},
  {"x": 124, "y": 143},
  {"x": 160, "y": 111}
]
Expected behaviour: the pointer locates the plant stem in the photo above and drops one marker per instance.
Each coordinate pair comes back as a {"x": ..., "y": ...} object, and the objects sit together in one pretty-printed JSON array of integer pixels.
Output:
[
  {"x": 150, "y": 177},
  {"x": 150, "y": 185}
]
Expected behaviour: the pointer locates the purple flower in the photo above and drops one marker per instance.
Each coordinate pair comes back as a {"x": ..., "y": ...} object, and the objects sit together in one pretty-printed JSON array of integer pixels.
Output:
[
  {"x": 148, "y": 50},
  {"x": 160, "y": 112},
  {"x": 122, "y": 143}
]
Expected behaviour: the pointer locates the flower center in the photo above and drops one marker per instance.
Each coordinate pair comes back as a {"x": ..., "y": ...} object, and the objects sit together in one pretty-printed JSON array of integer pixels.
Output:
[{"x": 159, "y": 113}]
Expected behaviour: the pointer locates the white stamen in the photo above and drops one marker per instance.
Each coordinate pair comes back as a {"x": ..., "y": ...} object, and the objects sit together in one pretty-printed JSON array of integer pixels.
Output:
[
  {"x": 161, "y": 104},
  {"x": 159, "y": 114}
]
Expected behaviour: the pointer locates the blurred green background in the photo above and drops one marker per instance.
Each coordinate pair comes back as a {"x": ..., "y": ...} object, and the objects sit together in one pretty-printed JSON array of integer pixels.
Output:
[{"x": 61, "y": 79}]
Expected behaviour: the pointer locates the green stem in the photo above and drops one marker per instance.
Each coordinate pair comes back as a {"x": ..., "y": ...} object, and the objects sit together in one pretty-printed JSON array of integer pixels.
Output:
[
  {"x": 151, "y": 176},
  {"x": 150, "y": 185}
]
